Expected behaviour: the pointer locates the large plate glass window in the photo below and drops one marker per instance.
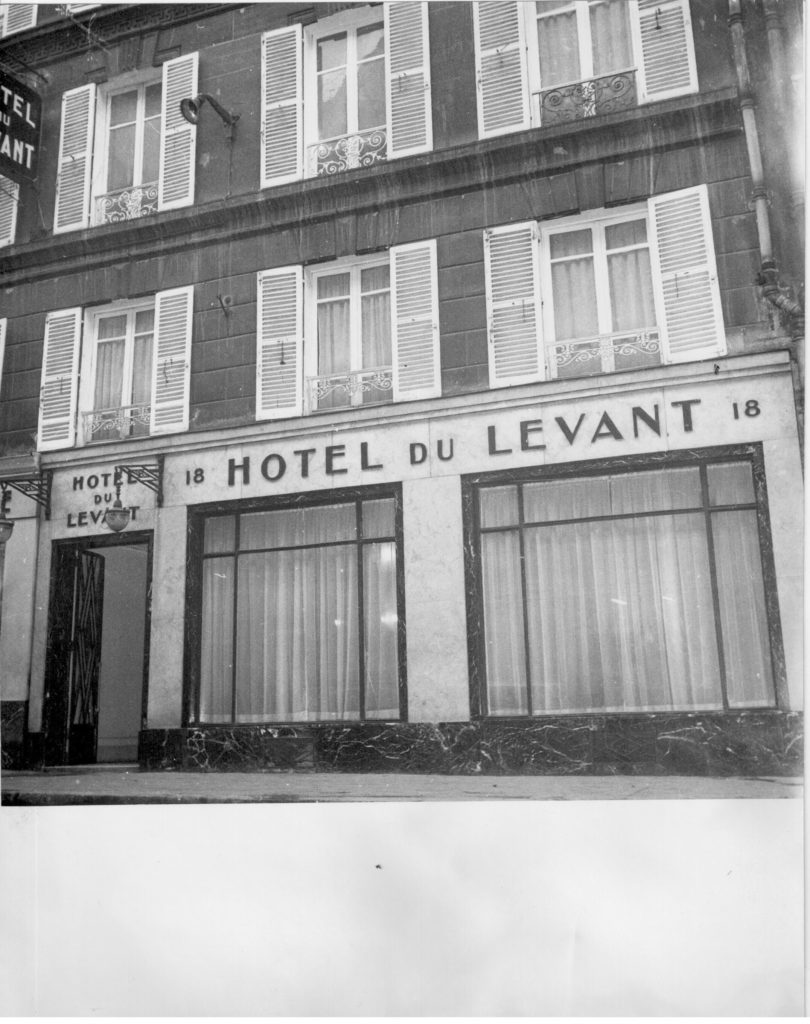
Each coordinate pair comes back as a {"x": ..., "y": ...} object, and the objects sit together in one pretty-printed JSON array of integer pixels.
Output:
[
  {"x": 351, "y": 319},
  {"x": 301, "y": 614},
  {"x": 627, "y": 591}
]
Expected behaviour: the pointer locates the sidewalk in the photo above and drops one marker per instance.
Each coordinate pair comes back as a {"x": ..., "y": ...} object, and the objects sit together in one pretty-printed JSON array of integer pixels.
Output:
[{"x": 110, "y": 784}]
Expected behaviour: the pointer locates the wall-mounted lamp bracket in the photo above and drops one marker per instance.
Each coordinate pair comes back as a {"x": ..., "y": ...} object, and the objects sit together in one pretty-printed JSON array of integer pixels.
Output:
[
  {"x": 190, "y": 109},
  {"x": 150, "y": 476},
  {"x": 37, "y": 488}
]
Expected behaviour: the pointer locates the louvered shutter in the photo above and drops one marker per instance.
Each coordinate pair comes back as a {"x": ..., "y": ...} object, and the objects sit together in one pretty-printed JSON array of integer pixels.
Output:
[
  {"x": 178, "y": 137},
  {"x": 662, "y": 33},
  {"x": 171, "y": 367},
  {"x": 19, "y": 17},
  {"x": 75, "y": 159},
  {"x": 415, "y": 321},
  {"x": 282, "y": 105},
  {"x": 500, "y": 68},
  {"x": 60, "y": 380},
  {"x": 512, "y": 272},
  {"x": 687, "y": 291},
  {"x": 280, "y": 343},
  {"x": 9, "y": 198},
  {"x": 410, "y": 123}
]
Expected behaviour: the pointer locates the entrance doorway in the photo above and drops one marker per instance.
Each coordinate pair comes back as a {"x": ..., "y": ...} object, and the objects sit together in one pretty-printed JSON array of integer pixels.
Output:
[{"x": 97, "y": 662}]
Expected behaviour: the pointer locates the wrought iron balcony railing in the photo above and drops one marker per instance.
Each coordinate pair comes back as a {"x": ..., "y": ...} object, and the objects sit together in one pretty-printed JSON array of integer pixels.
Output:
[
  {"x": 589, "y": 98},
  {"x": 360, "y": 387},
  {"x": 351, "y": 151},
  {"x": 115, "y": 424},
  {"x": 127, "y": 204},
  {"x": 609, "y": 353}
]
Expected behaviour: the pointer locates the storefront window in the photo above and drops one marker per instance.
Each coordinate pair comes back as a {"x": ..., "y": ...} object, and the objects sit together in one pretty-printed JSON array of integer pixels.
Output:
[
  {"x": 301, "y": 614},
  {"x": 630, "y": 591}
]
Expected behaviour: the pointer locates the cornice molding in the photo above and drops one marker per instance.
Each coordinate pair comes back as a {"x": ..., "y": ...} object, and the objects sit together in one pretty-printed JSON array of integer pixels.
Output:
[{"x": 430, "y": 177}]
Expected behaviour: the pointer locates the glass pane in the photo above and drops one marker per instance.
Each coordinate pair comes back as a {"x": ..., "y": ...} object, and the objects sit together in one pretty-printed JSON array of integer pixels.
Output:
[
  {"x": 154, "y": 99},
  {"x": 142, "y": 370},
  {"x": 151, "y": 151},
  {"x": 123, "y": 108},
  {"x": 220, "y": 534},
  {"x": 574, "y": 292},
  {"x": 332, "y": 117},
  {"x": 381, "y": 622},
  {"x": 371, "y": 95},
  {"x": 620, "y": 494},
  {"x": 498, "y": 505},
  {"x": 731, "y": 484},
  {"x": 633, "y": 232},
  {"x": 558, "y": 48},
  {"x": 216, "y": 646},
  {"x": 112, "y": 327},
  {"x": 376, "y": 330},
  {"x": 503, "y": 624},
  {"x": 620, "y": 616},
  {"x": 109, "y": 375},
  {"x": 631, "y": 291},
  {"x": 610, "y": 37},
  {"x": 570, "y": 243},
  {"x": 378, "y": 518},
  {"x": 743, "y": 616},
  {"x": 332, "y": 52},
  {"x": 297, "y": 653},
  {"x": 334, "y": 341},
  {"x": 370, "y": 42},
  {"x": 144, "y": 321},
  {"x": 121, "y": 158},
  {"x": 333, "y": 286},
  {"x": 656, "y": 490},
  {"x": 375, "y": 278},
  {"x": 550, "y": 500},
  {"x": 292, "y": 527}
]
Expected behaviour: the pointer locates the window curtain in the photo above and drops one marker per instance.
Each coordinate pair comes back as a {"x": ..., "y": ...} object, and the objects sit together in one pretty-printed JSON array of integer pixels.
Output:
[
  {"x": 110, "y": 362},
  {"x": 376, "y": 316},
  {"x": 631, "y": 292},
  {"x": 610, "y": 37},
  {"x": 558, "y": 47}
]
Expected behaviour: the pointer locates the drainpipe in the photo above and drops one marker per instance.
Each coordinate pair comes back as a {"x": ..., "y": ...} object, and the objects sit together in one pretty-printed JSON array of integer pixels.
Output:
[{"x": 768, "y": 279}]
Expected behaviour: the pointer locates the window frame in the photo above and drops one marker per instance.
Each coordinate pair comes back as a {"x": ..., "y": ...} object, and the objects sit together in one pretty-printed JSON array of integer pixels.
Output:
[
  {"x": 595, "y": 221},
  {"x": 472, "y": 483},
  {"x": 139, "y": 81},
  {"x": 192, "y": 674},
  {"x": 89, "y": 360},
  {"x": 354, "y": 267}
]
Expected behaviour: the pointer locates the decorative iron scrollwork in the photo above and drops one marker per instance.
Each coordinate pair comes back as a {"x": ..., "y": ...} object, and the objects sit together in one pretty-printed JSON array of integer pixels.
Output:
[
  {"x": 348, "y": 153},
  {"x": 114, "y": 424},
  {"x": 347, "y": 385},
  {"x": 602, "y": 353},
  {"x": 589, "y": 98},
  {"x": 128, "y": 204}
]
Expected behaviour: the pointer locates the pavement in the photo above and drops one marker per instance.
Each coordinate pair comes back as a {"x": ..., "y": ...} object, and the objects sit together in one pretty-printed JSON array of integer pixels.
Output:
[{"x": 126, "y": 784}]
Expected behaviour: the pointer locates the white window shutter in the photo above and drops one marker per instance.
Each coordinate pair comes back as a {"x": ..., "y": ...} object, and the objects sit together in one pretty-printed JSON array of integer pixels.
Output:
[
  {"x": 75, "y": 159},
  {"x": 410, "y": 122},
  {"x": 687, "y": 291},
  {"x": 60, "y": 380},
  {"x": 178, "y": 138},
  {"x": 415, "y": 321},
  {"x": 662, "y": 31},
  {"x": 9, "y": 200},
  {"x": 171, "y": 366},
  {"x": 280, "y": 343},
  {"x": 500, "y": 67},
  {"x": 512, "y": 274},
  {"x": 19, "y": 17},
  {"x": 282, "y": 106}
]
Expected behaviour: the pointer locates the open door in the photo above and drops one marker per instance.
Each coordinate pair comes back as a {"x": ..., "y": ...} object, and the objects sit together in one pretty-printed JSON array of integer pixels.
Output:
[{"x": 96, "y": 650}]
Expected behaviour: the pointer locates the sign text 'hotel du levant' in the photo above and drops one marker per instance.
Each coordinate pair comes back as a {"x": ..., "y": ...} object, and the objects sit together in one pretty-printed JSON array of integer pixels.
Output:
[{"x": 20, "y": 116}]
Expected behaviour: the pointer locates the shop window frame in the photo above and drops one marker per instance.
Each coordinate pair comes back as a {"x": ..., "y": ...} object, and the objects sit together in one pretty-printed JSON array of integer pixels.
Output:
[
  {"x": 471, "y": 483},
  {"x": 192, "y": 660}
]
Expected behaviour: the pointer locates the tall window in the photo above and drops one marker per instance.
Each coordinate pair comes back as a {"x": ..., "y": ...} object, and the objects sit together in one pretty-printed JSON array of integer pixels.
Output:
[
  {"x": 123, "y": 374},
  {"x": 132, "y": 153},
  {"x": 301, "y": 614},
  {"x": 578, "y": 40},
  {"x": 630, "y": 591},
  {"x": 353, "y": 328},
  {"x": 601, "y": 295}
]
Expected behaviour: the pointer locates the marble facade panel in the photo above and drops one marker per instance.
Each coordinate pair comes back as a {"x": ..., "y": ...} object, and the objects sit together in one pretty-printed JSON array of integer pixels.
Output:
[
  {"x": 168, "y": 619},
  {"x": 17, "y": 589}
]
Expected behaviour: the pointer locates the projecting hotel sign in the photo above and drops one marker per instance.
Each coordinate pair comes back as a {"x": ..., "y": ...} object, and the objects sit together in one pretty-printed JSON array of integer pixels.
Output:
[{"x": 20, "y": 116}]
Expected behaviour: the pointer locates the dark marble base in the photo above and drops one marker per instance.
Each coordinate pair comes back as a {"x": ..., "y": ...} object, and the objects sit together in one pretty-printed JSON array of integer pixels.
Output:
[
  {"x": 743, "y": 743},
  {"x": 13, "y": 716}
]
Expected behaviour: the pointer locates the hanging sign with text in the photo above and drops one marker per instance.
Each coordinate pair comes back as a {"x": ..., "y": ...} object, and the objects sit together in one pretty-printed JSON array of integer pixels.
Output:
[{"x": 20, "y": 116}]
